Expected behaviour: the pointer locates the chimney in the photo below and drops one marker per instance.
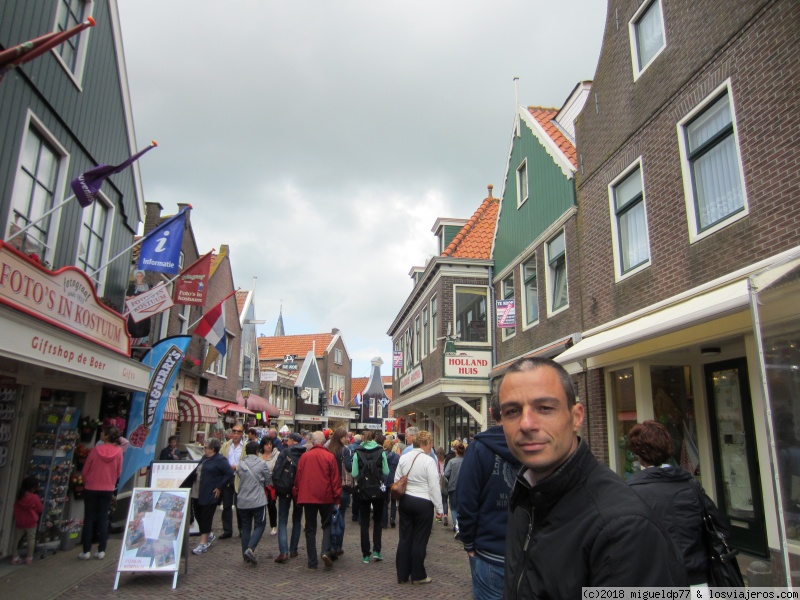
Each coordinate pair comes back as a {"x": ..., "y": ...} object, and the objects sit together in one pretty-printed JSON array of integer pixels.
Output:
[
  {"x": 490, "y": 187},
  {"x": 152, "y": 216}
]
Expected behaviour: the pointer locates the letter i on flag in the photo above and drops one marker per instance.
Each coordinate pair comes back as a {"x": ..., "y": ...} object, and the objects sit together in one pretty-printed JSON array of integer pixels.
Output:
[
  {"x": 212, "y": 328},
  {"x": 161, "y": 248}
]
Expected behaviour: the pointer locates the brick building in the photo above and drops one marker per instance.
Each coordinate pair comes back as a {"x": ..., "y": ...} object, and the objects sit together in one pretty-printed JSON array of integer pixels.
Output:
[{"x": 687, "y": 184}]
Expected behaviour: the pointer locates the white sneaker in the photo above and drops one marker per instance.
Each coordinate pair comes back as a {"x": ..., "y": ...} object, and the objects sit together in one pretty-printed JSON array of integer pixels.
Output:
[
  {"x": 211, "y": 538},
  {"x": 200, "y": 549},
  {"x": 274, "y": 531},
  {"x": 99, "y": 555},
  {"x": 85, "y": 555}
]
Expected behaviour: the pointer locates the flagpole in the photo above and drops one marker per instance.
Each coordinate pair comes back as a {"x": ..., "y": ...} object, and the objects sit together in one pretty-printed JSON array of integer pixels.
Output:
[
  {"x": 220, "y": 302},
  {"x": 41, "y": 218}
]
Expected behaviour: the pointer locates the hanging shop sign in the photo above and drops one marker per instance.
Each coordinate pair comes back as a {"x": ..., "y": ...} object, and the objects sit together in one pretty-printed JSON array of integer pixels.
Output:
[
  {"x": 339, "y": 413},
  {"x": 65, "y": 299},
  {"x": 268, "y": 376},
  {"x": 410, "y": 379},
  {"x": 469, "y": 363},
  {"x": 150, "y": 303}
]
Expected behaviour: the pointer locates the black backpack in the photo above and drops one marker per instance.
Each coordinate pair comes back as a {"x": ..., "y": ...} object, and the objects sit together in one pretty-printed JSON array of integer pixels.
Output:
[
  {"x": 370, "y": 481},
  {"x": 283, "y": 477}
]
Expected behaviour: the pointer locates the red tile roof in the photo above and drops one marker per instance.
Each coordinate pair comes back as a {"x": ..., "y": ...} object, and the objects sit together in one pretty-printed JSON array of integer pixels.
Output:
[
  {"x": 476, "y": 237},
  {"x": 546, "y": 118},
  {"x": 275, "y": 348},
  {"x": 359, "y": 384},
  {"x": 241, "y": 297}
]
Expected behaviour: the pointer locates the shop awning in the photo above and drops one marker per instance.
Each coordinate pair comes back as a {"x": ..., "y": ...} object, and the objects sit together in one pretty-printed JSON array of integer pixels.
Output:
[
  {"x": 258, "y": 404},
  {"x": 195, "y": 408},
  {"x": 228, "y": 406},
  {"x": 171, "y": 409}
]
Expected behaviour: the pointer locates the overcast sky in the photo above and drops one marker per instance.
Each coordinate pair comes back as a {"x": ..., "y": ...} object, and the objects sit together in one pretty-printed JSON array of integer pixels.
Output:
[{"x": 321, "y": 139}]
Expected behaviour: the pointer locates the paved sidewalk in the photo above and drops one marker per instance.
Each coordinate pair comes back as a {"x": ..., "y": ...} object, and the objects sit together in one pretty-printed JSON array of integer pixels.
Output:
[{"x": 222, "y": 572}]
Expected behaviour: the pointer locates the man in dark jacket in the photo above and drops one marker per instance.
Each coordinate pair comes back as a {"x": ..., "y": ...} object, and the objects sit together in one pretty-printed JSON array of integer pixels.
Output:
[
  {"x": 293, "y": 450},
  {"x": 573, "y": 522},
  {"x": 483, "y": 492},
  {"x": 318, "y": 488}
]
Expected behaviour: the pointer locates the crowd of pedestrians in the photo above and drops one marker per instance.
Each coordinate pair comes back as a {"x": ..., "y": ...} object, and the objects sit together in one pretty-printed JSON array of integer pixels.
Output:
[{"x": 525, "y": 481}]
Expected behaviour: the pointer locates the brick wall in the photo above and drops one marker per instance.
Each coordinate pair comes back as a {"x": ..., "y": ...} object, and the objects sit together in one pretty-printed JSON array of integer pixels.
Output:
[{"x": 759, "y": 52}]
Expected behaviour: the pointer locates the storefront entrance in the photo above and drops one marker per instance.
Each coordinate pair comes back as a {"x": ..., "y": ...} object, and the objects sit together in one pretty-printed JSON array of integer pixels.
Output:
[{"x": 733, "y": 446}]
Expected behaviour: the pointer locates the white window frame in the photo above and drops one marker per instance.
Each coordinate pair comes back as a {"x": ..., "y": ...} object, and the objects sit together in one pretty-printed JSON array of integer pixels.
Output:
[
  {"x": 619, "y": 275},
  {"x": 489, "y": 327},
  {"x": 434, "y": 304},
  {"x": 183, "y": 318},
  {"x": 425, "y": 332},
  {"x": 686, "y": 166},
  {"x": 523, "y": 183},
  {"x": 549, "y": 274},
  {"x": 337, "y": 356},
  {"x": 638, "y": 69},
  {"x": 35, "y": 124},
  {"x": 417, "y": 336},
  {"x": 506, "y": 332},
  {"x": 163, "y": 330},
  {"x": 100, "y": 279},
  {"x": 82, "y": 40},
  {"x": 524, "y": 293}
]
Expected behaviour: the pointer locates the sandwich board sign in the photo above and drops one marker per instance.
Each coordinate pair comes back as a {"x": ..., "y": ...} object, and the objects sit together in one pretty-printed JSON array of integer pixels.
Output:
[{"x": 154, "y": 532}]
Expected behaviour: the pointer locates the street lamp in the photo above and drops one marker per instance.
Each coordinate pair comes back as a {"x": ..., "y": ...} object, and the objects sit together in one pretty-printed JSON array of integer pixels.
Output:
[{"x": 246, "y": 394}]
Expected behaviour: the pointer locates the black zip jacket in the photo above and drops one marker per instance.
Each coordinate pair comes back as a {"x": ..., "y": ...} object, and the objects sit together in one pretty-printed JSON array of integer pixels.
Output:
[
  {"x": 583, "y": 527},
  {"x": 669, "y": 492}
]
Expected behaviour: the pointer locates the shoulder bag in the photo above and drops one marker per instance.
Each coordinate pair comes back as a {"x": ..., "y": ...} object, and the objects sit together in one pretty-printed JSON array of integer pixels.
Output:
[
  {"x": 723, "y": 569},
  {"x": 347, "y": 476},
  {"x": 398, "y": 489}
]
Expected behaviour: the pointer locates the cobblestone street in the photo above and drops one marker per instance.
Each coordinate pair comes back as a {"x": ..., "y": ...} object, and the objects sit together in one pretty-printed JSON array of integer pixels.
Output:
[{"x": 221, "y": 572}]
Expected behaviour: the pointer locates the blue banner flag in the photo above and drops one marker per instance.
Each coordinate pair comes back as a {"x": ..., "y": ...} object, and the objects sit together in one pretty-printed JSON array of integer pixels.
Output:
[
  {"x": 147, "y": 408},
  {"x": 161, "y": 248}
]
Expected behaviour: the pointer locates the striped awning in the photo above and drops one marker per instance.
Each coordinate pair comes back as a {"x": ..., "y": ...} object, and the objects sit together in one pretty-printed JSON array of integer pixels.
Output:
[
  {"x": 258, "y": 404},
  {"x": 195, "y": 408},
  {"x": 223, "y": 406},
  {"x": 171, "y": 409}
]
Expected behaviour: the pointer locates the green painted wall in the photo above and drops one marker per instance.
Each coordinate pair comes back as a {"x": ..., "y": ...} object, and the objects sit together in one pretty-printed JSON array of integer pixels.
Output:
[{"x": 550, "y": 194}]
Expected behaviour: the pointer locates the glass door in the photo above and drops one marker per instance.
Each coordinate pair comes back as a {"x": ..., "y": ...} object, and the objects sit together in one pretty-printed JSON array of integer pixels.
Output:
[{"x": 733, "y": 443}]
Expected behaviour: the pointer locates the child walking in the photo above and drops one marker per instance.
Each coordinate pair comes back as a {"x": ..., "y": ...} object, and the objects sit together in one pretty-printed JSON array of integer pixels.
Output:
[{"x": 27, "y": 510}]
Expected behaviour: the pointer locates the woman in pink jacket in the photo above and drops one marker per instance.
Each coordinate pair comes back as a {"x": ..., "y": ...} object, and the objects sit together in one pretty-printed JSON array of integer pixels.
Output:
[{"x": 100, "y": 473}]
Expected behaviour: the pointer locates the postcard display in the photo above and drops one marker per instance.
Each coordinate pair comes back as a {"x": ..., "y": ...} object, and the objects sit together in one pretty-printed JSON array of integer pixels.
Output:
[
  {"x": 51, "y": 463},
  {"x": 154, "y": 532}
]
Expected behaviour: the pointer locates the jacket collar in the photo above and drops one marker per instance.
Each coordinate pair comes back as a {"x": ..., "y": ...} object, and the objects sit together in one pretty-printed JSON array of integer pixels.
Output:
[{"x": 547, "y": 492}]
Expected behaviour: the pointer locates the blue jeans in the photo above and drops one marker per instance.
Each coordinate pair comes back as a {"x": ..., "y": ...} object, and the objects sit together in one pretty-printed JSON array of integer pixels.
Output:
[
  {"x": 453, "y": 508},
  {"x": 283, "y": 524},
  {"x": 487, "y": 579},
  {"x": 344, "y": 502},
  {"x": 253, "y": 523}
]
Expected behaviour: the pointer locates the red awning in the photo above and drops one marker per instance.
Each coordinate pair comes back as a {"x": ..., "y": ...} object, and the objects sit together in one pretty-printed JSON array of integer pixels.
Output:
[
  {"x": 171, "y": 409},
  {"x": 195, "y": 408},
  {"x": 226, "y": 406},
  {"x": 258, "y": 404}
]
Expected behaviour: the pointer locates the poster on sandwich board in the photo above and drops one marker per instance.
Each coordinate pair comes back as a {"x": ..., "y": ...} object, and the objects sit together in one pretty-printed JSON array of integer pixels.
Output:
[{"x": 154, "y": 532}]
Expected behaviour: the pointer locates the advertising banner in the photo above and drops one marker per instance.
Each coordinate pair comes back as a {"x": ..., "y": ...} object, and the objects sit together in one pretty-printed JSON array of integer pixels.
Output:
[
  {"x": 147, "y": 408},
  {"x": 191, "y": 285},
  {"x": 149, "y": 303},
  {"x": 506, "y": 316}
]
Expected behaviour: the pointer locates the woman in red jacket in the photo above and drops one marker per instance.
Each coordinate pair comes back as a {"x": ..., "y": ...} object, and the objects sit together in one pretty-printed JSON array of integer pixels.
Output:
[{"x": 100, "y": 473}]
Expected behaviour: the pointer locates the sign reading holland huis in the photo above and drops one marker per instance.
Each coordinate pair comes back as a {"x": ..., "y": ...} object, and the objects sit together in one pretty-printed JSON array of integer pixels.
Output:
[
  {"x": 470, "y": 363},
  {"x": 65, "y": 298}
]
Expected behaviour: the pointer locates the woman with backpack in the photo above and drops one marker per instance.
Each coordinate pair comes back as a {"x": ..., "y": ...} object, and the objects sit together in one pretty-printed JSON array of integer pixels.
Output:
[{"x": 369, "y": 473}]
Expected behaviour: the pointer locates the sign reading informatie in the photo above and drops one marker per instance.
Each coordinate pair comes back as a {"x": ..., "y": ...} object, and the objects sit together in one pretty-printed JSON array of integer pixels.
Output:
[
  {"x": 410, "y": 379},
  {"x": 468, "y": 363},
  {"x": 65, "y": 298},
  {"x": 154, "y": 531}
]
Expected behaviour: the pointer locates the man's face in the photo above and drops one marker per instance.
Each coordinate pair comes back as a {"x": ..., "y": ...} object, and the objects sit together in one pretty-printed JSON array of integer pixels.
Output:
[
  {"x": 539, "y": 426},
  {"x": 290, "y": 442},
  {"x": 236, "y": 436},
  {"x": 252, "y": 436},
  {"x": 173, "y": 443},
  {"x": 409, "y": 438}
]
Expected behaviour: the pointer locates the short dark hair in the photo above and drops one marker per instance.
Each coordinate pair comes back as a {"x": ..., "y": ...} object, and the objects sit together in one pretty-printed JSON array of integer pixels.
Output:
[
  {"x": 171, "y": 438},
  {"x": 251, "y": 448},
  {"x": 530, "y": 364},
  {"x": 214, "y": 444},
  {"x": 651, "y": 442}
]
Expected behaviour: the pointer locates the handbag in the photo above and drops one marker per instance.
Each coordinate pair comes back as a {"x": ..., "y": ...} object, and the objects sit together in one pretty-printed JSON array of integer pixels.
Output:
[
  {"x": 347, "y": 476},
  {"x": 398, "y": 489},
  {"x": 723, "y": 569}
]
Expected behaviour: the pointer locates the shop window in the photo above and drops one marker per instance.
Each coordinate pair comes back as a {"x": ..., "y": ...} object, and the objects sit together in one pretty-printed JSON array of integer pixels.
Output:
[
  {"x": 623, "y": 396},
  {"x": 647, "y": 35},
  {"x": 712, "y": 173},
  {"x": 673, "y": 407},
  {"x": 470, "y": 315}
]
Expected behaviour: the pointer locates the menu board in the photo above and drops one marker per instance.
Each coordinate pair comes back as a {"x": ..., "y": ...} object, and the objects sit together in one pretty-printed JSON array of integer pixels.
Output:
[
  {"x": 170, "y": 474},
  {"x": 154, "y": 531}
]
